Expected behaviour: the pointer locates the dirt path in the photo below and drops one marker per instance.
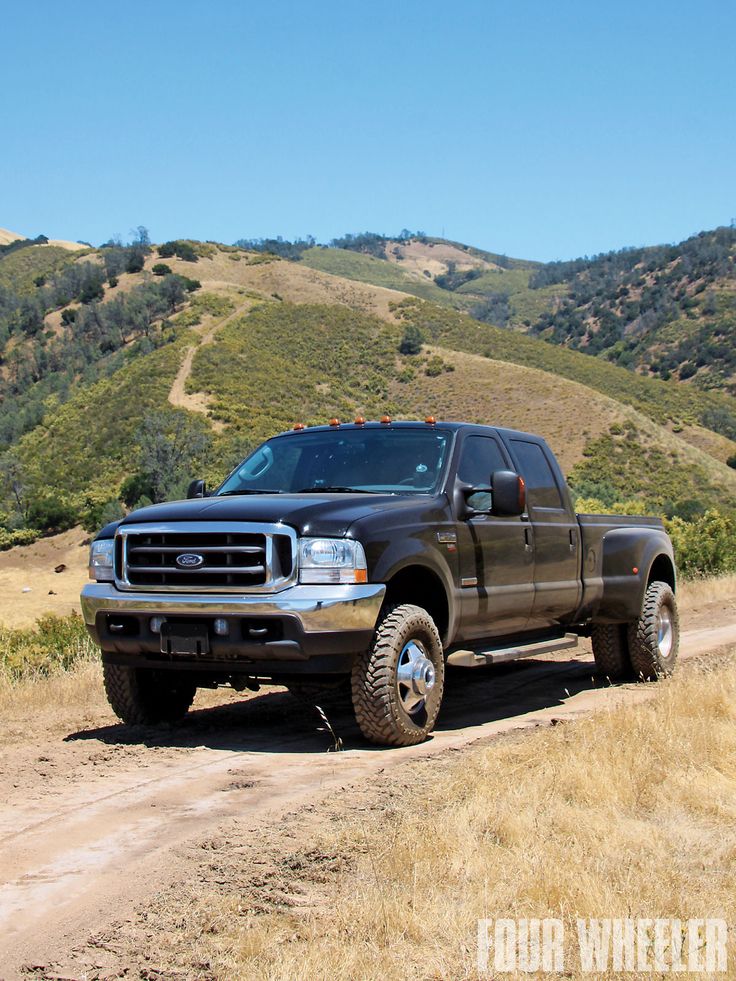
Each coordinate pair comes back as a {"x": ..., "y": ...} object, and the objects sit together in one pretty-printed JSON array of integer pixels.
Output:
[
  {"x": 198, "y": 401},
  {"x": 103, "y": 818}
]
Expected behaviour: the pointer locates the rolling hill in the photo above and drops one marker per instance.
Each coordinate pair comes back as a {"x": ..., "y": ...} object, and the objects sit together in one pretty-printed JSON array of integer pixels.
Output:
[
  {"x": 664, "y": 311},
  {"x": 220, "y": 349}
]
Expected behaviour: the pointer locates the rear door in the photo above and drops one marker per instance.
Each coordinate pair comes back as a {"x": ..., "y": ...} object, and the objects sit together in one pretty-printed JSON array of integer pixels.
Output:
[
  {"x": 496, "y": 559},
  {"x": 556, "y": 535}
]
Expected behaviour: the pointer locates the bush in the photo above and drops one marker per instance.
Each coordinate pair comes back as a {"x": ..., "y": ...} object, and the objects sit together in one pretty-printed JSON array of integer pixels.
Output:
[
  {"x": 435, "y": 366},
  {"x": 184, "y": 250},
  {"x": 136, "y": 486},
  {"x": 52, "y": 514},
  {"x": 161, "y": 269},
  {"x": 411, "y": 342},
  {"x": 21, "y": 536},
  {"x": 731, "y": 461},
  {"x": 68, "y": 316},
  {"x": 705, "y": 546},
  {"x": 98, "y": 513},
  {"x": 54, "y": 644}
]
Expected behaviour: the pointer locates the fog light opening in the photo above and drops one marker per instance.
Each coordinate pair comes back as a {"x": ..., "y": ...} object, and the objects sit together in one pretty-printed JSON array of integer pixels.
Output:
[
  {"x": 221, "y": 627},
  {"x": 156, "y": 623}
]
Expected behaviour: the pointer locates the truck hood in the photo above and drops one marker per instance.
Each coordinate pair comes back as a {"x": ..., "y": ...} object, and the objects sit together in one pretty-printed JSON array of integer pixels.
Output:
[{"x": 309, "y": 514}]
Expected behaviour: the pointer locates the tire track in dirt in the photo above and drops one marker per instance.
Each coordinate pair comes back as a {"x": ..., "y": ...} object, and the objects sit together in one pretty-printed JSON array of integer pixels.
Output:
[{"x": 79, "y": 855}]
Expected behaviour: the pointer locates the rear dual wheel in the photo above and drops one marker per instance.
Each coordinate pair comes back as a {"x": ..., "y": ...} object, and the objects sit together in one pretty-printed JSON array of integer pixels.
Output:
[{"x": 646, "y": 648}]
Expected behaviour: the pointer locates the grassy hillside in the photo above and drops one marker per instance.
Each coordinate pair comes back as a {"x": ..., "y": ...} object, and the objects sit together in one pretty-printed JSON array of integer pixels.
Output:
[
  {"x": 667, "y": 310},
  {"x": 348, "y": 364},
  {"x": 89, "y": 416},
  {"x": 379, "y": 272},
  {"x": 20, "y": 269},
  {"x": 664, "y": 402}
]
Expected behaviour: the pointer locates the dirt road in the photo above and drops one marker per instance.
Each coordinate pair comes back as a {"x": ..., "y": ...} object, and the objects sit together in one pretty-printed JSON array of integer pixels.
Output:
[{"x": 100, "y": 820}]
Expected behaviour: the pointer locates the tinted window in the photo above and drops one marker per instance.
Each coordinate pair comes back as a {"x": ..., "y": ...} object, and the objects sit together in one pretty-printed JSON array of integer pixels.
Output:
[
  {"x": 541, "y": 487},
  {"x": 481, "y": 455}
]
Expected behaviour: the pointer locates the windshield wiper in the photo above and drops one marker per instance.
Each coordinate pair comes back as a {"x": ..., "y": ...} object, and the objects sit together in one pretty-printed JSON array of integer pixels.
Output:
[
  {"x": 247, "y": 490},
  {"x": 333, "y": 490}
]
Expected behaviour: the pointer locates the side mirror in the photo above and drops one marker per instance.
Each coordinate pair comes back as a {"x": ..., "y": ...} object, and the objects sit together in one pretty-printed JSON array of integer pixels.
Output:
[
  {"x": 197, "y": 488},
  {"x": 509, "y": 493}
]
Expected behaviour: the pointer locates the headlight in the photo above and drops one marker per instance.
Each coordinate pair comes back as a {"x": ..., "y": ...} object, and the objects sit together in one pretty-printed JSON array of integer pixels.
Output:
[
  {"x": 324, "y": 560},
  {"x": 101, "y": 556}
]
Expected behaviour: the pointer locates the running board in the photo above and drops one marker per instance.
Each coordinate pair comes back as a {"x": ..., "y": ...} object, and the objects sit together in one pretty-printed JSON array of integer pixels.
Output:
[{"x": 497, "y": 655}]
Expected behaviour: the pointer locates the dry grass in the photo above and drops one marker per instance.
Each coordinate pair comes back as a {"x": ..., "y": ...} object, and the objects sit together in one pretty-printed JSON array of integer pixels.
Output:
[
  {"x": 697, "y": 592},
  {"x": 625, "y": 814},
  {"x": 59, "y": 702}
]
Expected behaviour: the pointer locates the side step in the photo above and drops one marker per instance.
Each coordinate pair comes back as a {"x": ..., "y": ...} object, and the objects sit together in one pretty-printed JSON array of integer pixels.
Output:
[{"x": 497, "y": 655}]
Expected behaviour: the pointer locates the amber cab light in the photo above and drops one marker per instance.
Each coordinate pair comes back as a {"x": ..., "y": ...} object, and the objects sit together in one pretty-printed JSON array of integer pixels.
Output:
[
  {"x": 298, "y": 426},
  {"x": 431, "y": 421},
  {"x": 334, "y": 422},
  {"x": 360, "y": 420},
  {"x": 385, "y": 420}
]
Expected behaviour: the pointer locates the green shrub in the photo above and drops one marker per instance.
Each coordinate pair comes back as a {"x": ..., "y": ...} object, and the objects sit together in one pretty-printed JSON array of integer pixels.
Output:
[
  {"x": 55, "y": 644},
  {"x": 97, "y": 513},
  {"x": 20, "y": 536},
  {"x": 161, "y": 269},
  {"x": 52, "y": 514},
  {"x": 705, "y": 546},
  {"x": 136, "y": 486},
  {"x": 411, "y": 342},
  {"x": 435, "y": 366}
]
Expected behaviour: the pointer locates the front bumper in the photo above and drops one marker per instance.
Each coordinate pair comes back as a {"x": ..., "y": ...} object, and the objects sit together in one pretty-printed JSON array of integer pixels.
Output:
[{"x": 325, "y": 624}]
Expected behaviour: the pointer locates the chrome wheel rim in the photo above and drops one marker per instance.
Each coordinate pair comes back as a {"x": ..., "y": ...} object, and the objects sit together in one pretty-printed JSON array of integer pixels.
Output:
[
  {"x": 415, "y": 677},
  {"x": 665, "y": 632}
]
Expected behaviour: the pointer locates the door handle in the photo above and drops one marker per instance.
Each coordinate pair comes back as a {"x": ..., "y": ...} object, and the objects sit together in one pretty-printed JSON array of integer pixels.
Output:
[
  {"x": 573, "y": 542},
  {"x": 527, "y": 542}
]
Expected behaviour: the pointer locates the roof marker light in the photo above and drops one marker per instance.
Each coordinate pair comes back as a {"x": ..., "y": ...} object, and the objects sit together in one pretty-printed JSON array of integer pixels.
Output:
[
  {"x": 334, "y": 422},
  {"x": 385, "y": 420},
  {"x": 431, "y": 421},
  {"x": 360, "y": 420},
  {"x": 298, "y": 426}
]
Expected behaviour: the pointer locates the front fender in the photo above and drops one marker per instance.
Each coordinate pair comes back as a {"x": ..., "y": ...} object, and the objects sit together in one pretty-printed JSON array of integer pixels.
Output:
[{"x": 413, "y": 552}]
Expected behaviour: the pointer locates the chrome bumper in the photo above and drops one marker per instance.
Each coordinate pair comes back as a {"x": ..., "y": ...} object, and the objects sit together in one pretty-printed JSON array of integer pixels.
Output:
[{"x": 319, "y": 609}]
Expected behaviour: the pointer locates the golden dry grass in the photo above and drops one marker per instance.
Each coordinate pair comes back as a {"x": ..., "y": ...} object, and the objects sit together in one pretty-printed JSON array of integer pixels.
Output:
[
  {"x": 289, "y": 281},
  {"x": 566, "y": 413},
  {"x": 47, "y": 704},
  {"x": 693, "y": 593},
  {"x": 631, "y": 813}
]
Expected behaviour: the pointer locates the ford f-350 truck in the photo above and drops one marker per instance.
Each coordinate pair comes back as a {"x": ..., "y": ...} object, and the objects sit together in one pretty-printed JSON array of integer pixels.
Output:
[{"x": 374, "y": 552}]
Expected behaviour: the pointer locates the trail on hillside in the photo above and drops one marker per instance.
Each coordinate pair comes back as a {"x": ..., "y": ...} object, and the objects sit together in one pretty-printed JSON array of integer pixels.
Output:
[
  {"x": 198, "y": 401},
  {"x": 103, "y": 819}
]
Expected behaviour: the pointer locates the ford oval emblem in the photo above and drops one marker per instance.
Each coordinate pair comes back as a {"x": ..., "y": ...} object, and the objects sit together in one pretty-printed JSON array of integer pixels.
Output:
[{"x": 189, "y": 560}]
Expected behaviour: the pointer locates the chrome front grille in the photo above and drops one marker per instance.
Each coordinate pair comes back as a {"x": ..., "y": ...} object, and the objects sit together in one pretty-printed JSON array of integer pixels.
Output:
[{"x": 205, "y": 556}]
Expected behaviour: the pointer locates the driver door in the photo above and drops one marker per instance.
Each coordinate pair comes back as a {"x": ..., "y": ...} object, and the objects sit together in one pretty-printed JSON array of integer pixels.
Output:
[{"x": 496, "y": 556}]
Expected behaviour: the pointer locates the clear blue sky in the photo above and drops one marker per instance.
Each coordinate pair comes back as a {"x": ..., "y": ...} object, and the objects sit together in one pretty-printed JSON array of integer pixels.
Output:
[{"x": 540, "y": 129}]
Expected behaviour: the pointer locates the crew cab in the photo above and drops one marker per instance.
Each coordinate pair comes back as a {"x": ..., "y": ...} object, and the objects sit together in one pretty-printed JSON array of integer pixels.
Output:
[{"x": 374, "y": 553}]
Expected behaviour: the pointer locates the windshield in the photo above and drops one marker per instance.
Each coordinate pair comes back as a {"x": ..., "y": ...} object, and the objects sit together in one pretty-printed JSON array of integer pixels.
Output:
[{"x": 374, "y": 461}]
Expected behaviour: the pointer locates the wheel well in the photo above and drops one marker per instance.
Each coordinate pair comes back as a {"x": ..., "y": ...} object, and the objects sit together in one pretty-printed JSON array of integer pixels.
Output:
[
  {"x": 423, "y": 588},
  {"x": 662, "y": 571}
]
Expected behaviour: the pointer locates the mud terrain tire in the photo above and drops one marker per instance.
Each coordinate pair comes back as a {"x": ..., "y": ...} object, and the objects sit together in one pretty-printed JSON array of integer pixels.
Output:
[{"x": 142, "y": 697}]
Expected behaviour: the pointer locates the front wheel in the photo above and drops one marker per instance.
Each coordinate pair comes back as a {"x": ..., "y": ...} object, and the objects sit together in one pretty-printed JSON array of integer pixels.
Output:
[
  {"x": 655, "y": 637},
  {"x": 143, "y": 697},
  {"x": 397, "y": 684}
]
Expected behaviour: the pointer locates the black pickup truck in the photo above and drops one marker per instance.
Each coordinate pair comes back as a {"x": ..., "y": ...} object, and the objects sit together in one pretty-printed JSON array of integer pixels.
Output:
[{"x": 374, "y": 552}]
